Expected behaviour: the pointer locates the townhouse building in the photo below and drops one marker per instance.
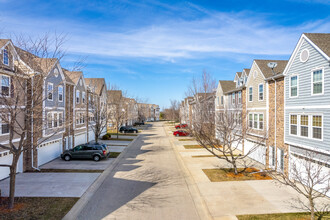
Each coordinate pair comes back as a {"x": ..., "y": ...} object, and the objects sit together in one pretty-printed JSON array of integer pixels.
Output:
[
  {"x": 10, "y": 79},
  {"x": 98, "y": 106},
  {"x": 79, "y": 108},
  {"x": 306, "y": 99}
]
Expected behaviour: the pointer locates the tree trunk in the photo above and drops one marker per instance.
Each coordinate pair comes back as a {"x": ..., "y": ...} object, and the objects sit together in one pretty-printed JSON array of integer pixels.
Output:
[
  {"x": 311, "y": 203},
  {"x": 12, "y": 182},
  {"x": 235, "y": 168}
]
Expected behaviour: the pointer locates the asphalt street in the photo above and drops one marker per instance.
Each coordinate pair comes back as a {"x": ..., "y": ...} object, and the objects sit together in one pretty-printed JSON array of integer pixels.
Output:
[{"x": 147, "y": 183}]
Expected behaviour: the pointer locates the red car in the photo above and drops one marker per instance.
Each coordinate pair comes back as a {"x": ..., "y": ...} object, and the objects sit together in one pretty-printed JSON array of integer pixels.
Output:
[
  {"x": 180, "y": 133},
  {"x": 181, "y": 126}
]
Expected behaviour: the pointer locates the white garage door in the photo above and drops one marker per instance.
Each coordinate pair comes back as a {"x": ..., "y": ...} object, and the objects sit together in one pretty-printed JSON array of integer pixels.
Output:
[
  {"x": 7, "y": 158},
  {"x": 258, "y": 152},
  {"x": 80, "y": 139},
  {"x": 91, "y": 135},
  {"x": 49, "y": 151}
]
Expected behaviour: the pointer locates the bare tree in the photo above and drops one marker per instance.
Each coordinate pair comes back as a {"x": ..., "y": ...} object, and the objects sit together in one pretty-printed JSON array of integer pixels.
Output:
[
  {"x": 98, "y": 115},
  {"x": 21, "y": 112},
  {"x": 222, "y": 133},
  {"x": 116, "y": 108},
  {"x": 310, "y": 177}
]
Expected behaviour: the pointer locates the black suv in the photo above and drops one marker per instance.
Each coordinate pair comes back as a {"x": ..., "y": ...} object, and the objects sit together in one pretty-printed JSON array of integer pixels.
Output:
[
  {"x": 124, "y": 129},
  {"x": 85, "y": 151}
]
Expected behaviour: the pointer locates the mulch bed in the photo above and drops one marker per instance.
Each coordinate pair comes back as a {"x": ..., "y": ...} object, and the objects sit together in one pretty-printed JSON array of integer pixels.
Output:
[
  {"x": 276, "y": 216},
  {"x": 36, "y": 208},
  {"x": 227, "y": 174}
]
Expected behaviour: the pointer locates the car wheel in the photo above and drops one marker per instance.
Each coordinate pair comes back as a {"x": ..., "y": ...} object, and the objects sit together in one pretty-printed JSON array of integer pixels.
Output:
[
  {"x": 177, "y": 135},
  {"x": 67, "y": 157},
  {"x": 96, "y": 158}
]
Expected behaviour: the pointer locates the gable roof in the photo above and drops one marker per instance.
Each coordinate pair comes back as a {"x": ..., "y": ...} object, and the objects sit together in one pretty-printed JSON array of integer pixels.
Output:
[
  {"x": 246, "y": 71},
  {"x": 3, "y": 42},
  {"x": 114, "y": 95},
  {"x": 98, "y": 83},
  {"x": 227, "y": 85},
  {"x": 266, "y": 71},
  {"x": 73, "y": 76},
  {"x": 322, "y": 41},
  {"x": 67, "y": 78}
]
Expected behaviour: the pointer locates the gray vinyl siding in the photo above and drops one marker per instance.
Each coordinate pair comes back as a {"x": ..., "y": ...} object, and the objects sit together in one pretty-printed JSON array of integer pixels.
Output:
[
  {"x": 304, "y": 72},
  {"x": 303, "y": 104},
  {"x": 57, "y": 81}
]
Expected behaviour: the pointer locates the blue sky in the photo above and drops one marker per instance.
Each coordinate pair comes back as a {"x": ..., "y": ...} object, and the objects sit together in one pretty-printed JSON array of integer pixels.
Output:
[{"x": 153, "y": 48}]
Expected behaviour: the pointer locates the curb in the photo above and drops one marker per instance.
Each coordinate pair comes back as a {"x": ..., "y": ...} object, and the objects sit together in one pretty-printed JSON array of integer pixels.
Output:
[
  {"x": 84, "y": 199},
  {"x": 201, "y": 207}
]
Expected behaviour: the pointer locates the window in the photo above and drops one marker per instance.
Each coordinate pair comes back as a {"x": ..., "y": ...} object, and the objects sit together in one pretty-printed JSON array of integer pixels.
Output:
[
  {"x": 55, "y": 120},
  {"x": 250, "y": 120},
  {"x": 317, "y": 126},
  {"x": 77, "y": 119},
  {"x": 77, "y": 96},
  {"x": 239, "y": 97},
  {"x": 293, "y": 124},
  {"x": 317, "y": 82},
  {"x": 5, "y": 57},
  {"x": 60, "y": 93},
  {"x": 233, "y": 98},
  {"x": 281, "y": 159},
  {"x": 261, "y": 92},
  {"x": 5, "y": 85},
  {"x": 50, "y": 91},
  {"x": 250, "y": 94},
  {"x": 60, "y": 119},
  {"x": 83, "y": 97},
  {"x": 221, "y": 100},
  {"x": 304, "y": 125},
  {"x": 294, "y": 86},
  {"x": 261, "y": 121},
  {"x": 255, "y": 124},
  {"x": 5, "y": 126},
  {"x": 49, "y": 120}
]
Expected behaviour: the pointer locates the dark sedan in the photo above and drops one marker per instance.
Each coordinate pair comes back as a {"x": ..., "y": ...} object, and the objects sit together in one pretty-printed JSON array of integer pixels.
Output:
[{"x": 124, "y": 129}]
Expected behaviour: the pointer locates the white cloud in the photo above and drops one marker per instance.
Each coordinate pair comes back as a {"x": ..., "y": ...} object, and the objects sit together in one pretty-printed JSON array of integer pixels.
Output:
[{"x": 215, "y": 33}]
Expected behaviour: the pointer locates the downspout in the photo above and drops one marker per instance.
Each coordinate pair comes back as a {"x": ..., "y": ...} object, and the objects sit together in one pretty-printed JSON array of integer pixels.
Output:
[
  {"x": 36, "y": 168},
  {"x": 275, "y": 145}
]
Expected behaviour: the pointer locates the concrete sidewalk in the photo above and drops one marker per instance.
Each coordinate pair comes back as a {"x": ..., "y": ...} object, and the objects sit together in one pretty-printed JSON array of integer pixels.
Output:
[
  {"x": 225, "y": 200},
  {"x": 78, "y": 164}
]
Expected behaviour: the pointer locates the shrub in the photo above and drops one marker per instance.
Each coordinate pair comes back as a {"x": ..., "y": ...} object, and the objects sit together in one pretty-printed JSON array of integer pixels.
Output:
[{"x": 106, "y": 137}]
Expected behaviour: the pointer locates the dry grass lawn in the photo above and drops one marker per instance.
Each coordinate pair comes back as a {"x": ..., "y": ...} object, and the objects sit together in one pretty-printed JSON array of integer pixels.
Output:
[
  {"x": 188, "y": 139},
  {"x": 279, "y": 216},
  {"x": 197, "y": 156},
  {"x": 227, "y": 174},
  {"x": 195, "y": 146},
  {"x": 36, "y": 208}
]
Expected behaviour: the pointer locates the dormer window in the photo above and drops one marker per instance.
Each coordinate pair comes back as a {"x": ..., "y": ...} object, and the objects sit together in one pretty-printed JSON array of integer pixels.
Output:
[
  {"x": 83, "y": 97},
  {"x": 5, "y": 57}
]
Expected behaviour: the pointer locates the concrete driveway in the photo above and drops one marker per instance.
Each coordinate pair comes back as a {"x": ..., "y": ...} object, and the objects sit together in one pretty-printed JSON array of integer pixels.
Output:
[
  {"x": 78, "y": 164},
  {"x": 50, "y": 184}
]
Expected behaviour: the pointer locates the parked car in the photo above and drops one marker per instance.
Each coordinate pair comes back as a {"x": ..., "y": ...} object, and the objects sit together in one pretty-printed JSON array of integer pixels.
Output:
[
  {"x": 124, "y": 129},
  {"x": 106, "y": 147},
  {"x": 181, "y": 126},
  {"x": 138, "y": 123},
  {"x": 180, "y": 133},
  {"x": 85, "y": 151}
]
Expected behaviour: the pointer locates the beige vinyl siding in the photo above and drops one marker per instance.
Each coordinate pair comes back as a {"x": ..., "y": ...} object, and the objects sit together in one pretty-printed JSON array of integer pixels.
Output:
[{"x": 255, "y": 82}]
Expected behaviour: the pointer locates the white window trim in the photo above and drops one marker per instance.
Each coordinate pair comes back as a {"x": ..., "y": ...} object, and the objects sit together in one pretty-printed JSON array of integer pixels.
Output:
[
  {"x": 1, "y": 134},
  {"x": 222, "y": 100},
  {"x": 290, "y": 95},
  {"x": 263, "y": 92},
  {"x": 249, "y": 94},
  {"x": 310, "y": 125},
  {"x": 58, "y": 95},
  {"x": 8, "y": 86},
  {"x": 3, "y": 57},
  {"x": 258, "y": 121},
  {"x": 312, "y": 83},
  {"x": 239, "y": 95},
  {"x": 77, "y": 100},
  {"x": 295, "y": 135},
  {"x": 52, "y": 84}
]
